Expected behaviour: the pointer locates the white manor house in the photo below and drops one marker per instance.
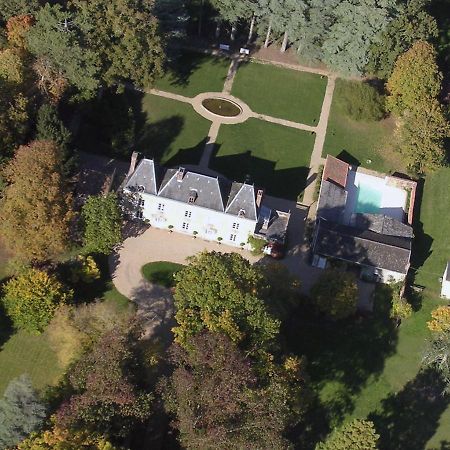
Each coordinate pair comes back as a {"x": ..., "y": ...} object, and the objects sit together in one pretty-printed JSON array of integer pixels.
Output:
[{"x": 205, "y": 206}]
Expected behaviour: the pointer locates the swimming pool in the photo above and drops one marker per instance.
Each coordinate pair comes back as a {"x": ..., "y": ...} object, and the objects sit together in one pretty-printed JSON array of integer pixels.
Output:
[{"x": 368, "y": 200}]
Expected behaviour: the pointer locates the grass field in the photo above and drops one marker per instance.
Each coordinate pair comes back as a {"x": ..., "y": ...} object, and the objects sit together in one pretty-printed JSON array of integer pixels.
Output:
[
  {"x": 368, "y": 144},
  {"x": 161, "y": 272},
  {"x": 287, "y": 94},
  {"x": 194, "y": 73},
  {"x": 269, "y": 155},
  {"x": 170, "y": 131}
]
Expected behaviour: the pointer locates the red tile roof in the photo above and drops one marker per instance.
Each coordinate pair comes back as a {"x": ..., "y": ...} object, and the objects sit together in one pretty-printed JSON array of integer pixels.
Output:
[{"x": 335, "y": 170}]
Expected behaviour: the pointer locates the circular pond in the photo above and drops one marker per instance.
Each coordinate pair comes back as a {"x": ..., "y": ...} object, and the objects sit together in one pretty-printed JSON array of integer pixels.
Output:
[{"x": 222, "y": 107}]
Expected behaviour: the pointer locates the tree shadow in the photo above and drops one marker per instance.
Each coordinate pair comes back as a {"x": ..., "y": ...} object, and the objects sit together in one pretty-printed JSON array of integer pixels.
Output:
[
  {"x": 6, "y": 326},
  {"x": 284, "y": 183},
  {"x": 345, "y": 156},
  {"x": 409, "y": 418}
]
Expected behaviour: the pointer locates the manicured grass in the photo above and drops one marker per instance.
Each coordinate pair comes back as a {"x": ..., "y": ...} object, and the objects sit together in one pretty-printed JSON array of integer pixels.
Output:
[
  {"x": 270, "y": 155},
  {"x": 194, "y": 73},
  {"x": 287, "y": 94},
  {"x": 30, "y": 354},
  {"x": 368, "y": 144},
  {"x": 161, "y": 272},
  {"x": 168, "y": 130},
  {"x": 432, "y": 243}
]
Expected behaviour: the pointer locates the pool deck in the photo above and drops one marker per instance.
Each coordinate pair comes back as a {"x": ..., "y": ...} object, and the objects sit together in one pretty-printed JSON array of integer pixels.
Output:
[{"x": 393, "y": 199}]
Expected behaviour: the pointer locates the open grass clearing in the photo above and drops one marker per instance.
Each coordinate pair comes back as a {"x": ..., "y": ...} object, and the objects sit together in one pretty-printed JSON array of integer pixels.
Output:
[
  {"x": 192, "y": 73},
  {"x": 368, "y": 144},
  {"x": 161, "y": 272},
  {"x": 269, "y": 155},
  {"x": 284, "y": 93}
]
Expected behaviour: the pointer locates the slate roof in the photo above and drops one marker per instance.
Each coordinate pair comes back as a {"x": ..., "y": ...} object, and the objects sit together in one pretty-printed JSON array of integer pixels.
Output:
[
  {"x": 382, "y": 224},
  {"x": 332, "y": 201},
  {"x": 145, "y": 176},
  {"x": 242, "y": 198},
  {"x": 335, "y": 170},
  {"x": 447, "y": 278},
  {"x": 278, "y": 224},
  {"x": 362, "y": 246}
]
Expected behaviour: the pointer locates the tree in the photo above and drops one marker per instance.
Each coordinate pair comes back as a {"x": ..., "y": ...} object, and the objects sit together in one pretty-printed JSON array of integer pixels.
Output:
[
  {"x": 421, "y": 136},
  {"x": 219, "y": 402},
  {"x": 440, "y": 320},
  {"x": 63, "y": 439},
  {"x": 401, "y": 309},
  {"x": 52, "y": 81},
  {"x": 355, "y": 435},
  {"x": 21, "y": 412},
  {"x": 35, "y": 213},
  {"x": 336, "y": 294},
  {"x": 437, "y": 356},
  {"x": 56, "y": 38},
  {"x": 31, "y": 299},
  {"x": 102, "y": 223},
  {"x": 49, "y": 127},
  {"x": 415, "y": 79},
  {"x": 17, "y": 27},
  {"x": 357, "y": 26},
  {"x": 412, "y": 24},
  {"x": 124, "y": 36},
  {"x": 107, "y": 396},
  {"x": 9, "y": 8},
  {"x": 74, "y": 330},
  {"x": 222, "y": 292}
]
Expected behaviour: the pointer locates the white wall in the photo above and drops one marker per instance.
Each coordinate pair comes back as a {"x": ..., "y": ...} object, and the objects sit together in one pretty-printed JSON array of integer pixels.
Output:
[
  {"x": 388, "y": 276},
  {"x": 445, "y": 290},
  {"x": 209, "y": 224}
]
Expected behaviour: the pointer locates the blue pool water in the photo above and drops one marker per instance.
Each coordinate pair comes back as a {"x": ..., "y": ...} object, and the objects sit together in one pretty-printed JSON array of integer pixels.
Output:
[{"x": 368, "y": 200}]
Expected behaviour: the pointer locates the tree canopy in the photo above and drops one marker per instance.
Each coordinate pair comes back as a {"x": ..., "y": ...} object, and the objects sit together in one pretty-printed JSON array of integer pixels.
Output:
[
  {"x": 222, "y": 292},
  {"x": 35, "y": 213}
]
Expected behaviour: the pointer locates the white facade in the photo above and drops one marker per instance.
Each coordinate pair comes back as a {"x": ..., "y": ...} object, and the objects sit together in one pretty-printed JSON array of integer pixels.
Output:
[
  {"x": 187, "y": 218},
  {"x": 445, "y": 289}
]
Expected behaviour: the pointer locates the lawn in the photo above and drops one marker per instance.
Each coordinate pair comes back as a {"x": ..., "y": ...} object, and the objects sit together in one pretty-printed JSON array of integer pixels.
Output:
[
  {"x": 368, "y": 144},
  {"x": 272, "y": 156},
  {"x": 161, "y": 272},
  {"x": 168, "y": 130},
  {"x": 287, "y": 94},
  {"x": 193, "y": 73}
]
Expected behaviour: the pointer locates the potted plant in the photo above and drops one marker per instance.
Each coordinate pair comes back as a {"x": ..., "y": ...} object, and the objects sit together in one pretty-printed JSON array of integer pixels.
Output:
[
  {"x": 195, "y": 234},
  {"x": 170, "y": 227},
  {"x": 219, "y": 239},
  {"x": 242, "y": 245}
]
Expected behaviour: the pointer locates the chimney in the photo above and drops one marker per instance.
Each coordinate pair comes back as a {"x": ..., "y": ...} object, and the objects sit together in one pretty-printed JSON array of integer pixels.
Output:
[
  {"x": 259, "y": 196},
  {"x": 180, "y": 173},
  {"x": 134, "y": 157}
]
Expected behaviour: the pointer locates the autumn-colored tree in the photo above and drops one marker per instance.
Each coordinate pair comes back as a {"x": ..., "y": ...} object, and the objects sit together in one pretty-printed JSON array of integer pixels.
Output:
[
  {"x": 440, "y": 320},
  {"x": 222, "y": 292},
  {"x": 421, "y": 136},
  {"x": 355, "y": 435},
  {"x": 17, "y": 28},
  {"x": 400, "y": 309},
  {"x": 35, "y": 211},
  {"x": 64, "y": 439},
  {"x": 31, "y": 299},
  {"x": 12, "y": 69},
  {"x": 51, "y": 80},
  {"x": 106, "y": 395},
  {"x": 415, "y": 78},
  {"x": 336, "y": 294},
  {"x": 218, "y": 400}
]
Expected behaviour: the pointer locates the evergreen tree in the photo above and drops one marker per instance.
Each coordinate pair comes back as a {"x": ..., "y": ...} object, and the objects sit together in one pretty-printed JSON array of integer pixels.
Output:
[
  {"x": 21, "y": 412},
  {"x": 9, "y": 8},
  {"x": 49, "y": 127}
]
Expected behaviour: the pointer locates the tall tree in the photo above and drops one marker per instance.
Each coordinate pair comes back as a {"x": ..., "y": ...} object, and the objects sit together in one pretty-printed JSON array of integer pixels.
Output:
[
  {"x": 218, "y": 400},
  {"x": 357, "y": 26},
  {"x": 56, "y": 37},
  {"x": 32, "y": 298},
  {"x": 437, "y": 356},
  {"x": 355, "y": 435},
  {"x": 49, "y": 127},
  {"x": 17, "y": 27},
  {"x": 124, "y": 36},
  {"x": 416, "y": 78},
  {"x": 412, "y": 24},
  {"x": 9, "y": 8},
  {"x": 102, "y": 221},
  {"x": 35, "y": 213},
  {"x": 222, "y": 292},
  {"x": 21, "y": 412}
]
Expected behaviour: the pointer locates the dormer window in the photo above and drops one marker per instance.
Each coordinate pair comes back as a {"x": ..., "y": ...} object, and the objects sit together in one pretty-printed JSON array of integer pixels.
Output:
[
  {"x": 180, "y": 173},
  {"x": 192, "y": 197},
  {"x": 241, "y": 213}
]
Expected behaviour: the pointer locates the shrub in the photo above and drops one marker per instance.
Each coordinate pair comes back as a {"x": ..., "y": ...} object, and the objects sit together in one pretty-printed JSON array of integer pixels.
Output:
[
  {"x": 84, "y": 269},
  {"x": 257, "y": 245},
  {"x": 440, "y": 320},
  {"x": 400, "y": 309},
  {"x": 360, "y": 101},
  {"x": 32, "y": 298},
  {"x": 336, "y": 294}
]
